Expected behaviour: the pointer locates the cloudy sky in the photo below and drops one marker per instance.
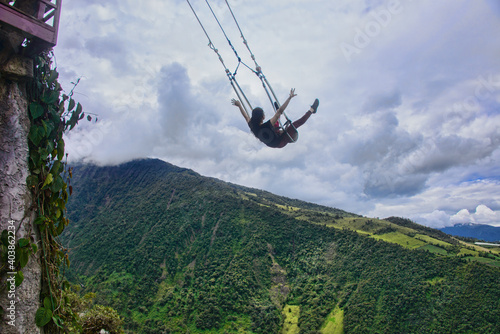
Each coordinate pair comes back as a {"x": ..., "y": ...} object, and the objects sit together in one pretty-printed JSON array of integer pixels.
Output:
[{"x": 409, "y": 116}]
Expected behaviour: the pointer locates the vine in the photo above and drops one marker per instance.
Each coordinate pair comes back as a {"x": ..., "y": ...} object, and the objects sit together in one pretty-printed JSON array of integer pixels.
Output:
[{"x": 52, "y": 113}]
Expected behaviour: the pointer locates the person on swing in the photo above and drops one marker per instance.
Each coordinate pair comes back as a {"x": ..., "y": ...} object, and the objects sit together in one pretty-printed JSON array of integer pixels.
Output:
[{"x": 270, "y": 132}]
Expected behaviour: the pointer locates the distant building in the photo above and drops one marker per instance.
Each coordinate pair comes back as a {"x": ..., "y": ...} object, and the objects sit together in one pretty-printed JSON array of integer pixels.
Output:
[{"x": 486, "y": 244}]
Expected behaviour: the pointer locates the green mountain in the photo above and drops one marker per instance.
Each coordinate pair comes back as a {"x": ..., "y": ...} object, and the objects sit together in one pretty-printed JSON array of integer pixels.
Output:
[{"x": 176, "y": 252}]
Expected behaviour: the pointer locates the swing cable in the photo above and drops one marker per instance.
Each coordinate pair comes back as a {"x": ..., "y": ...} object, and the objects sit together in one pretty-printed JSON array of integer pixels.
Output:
[
  {"x": 231, "y": 76},
  {"x": 258, "y": 71},
  {"x": 260, "y": 74},
  {"x": 229, "y": 41}
]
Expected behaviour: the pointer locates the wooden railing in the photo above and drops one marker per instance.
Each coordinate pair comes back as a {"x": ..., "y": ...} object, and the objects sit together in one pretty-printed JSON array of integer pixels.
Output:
[{"x": 42, "y": 24}]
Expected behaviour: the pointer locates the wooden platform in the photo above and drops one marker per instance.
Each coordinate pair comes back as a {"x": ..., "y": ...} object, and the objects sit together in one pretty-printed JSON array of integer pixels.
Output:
[{"x": 42, "y": 25}]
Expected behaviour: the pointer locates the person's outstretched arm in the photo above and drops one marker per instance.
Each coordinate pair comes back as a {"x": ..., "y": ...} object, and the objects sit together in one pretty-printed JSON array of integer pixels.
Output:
[
  {"x": 243, "y": 112},
  {"x": 281, "y": 109}
]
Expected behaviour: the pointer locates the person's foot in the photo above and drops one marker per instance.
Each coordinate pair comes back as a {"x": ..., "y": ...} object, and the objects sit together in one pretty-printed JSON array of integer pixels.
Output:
[{"x": 314, "y": 106}]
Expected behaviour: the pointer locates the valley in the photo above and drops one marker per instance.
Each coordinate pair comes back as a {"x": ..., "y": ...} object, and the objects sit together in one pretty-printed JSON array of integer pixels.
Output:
[{"x": 175, "y": 252}]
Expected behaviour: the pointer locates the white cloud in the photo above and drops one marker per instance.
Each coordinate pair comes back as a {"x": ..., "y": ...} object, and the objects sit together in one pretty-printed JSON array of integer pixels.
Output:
[
  {"x": 483, "y": 215},
  {"x": 407, "y": 126},
  {"x": 462, "y": 217},
  {"x": 436, "y": 219}
]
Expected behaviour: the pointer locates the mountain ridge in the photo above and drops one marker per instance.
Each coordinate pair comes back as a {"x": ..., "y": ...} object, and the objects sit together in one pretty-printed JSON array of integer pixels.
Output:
[
  {"x": 483, "y": 232},
  {"x": 176, "y": 252}
]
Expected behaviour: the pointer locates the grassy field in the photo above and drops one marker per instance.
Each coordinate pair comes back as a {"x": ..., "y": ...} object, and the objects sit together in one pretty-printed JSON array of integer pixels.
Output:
[
  {"x": 432, "y": 241},
  {"x": 479, "y": 248},
  {"x": 400, "y": 239},
  {"x": 334, "y": 324},
  {"x": 404, "y": 236},
  {"x": 291, "y": 323},
  {"x": 288, "y": 208},
  {"x": 370, "y": 225},
  {"x": 491, "y": 262},
  {"x": 434, "y": 249},
  {"x": 494, "y": 250},
  {"x": 466, "y": 251}
]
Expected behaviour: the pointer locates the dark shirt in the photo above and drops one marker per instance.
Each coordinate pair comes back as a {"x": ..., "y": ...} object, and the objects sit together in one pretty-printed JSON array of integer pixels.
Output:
[{"x": 267, "y": 134}]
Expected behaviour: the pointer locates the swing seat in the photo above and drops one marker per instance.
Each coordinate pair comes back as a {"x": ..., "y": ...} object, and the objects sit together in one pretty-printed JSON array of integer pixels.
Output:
[
  {"x": 291, "y": 131},
  {"x": 287, "y": 129},
  {"x": 267, "y": 136}
]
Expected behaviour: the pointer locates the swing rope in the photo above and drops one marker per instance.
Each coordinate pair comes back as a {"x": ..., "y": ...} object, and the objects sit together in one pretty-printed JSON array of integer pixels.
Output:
[
  {"x": 242, "y": 36},
  {"x": 232, "y": 76},
  {"x": 267, "y": 87},
  {"x": 228, "y": 41}
]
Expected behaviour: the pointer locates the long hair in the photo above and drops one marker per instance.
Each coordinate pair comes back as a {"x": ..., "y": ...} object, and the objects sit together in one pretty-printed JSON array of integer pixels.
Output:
[{"x": 256, "y": 120}]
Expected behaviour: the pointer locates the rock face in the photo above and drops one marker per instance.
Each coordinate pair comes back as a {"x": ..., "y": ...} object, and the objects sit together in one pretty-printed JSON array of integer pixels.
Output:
[{"x": 20, "y": 303}]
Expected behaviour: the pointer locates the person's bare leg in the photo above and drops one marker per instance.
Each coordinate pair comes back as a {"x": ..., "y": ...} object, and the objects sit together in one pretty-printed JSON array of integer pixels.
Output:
[{"x": 308, "y": 114}]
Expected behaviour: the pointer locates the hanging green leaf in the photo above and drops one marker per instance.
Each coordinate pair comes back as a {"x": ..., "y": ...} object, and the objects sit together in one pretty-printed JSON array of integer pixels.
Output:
[
  {"x": 43, "y": 316},
  {"x": 36, "y": 110},
  {"x": 55, "y": 168},
  {"x": 58, "y": 321},
  {"x": 51, "y": 97},
  {"x": 60, "y": 149},
  {"x": 48, "y": 180},
  {"x": 53, "y": 111},
  {"x": 43, "y": 154},
  {"x": 49, "y": 126},
  {"x": 50, "y": 147},
  {"x": 47, "y": 303},
  {"x": 19, "y": 278},
  {"x": 40, "y": 220},
  {"x": 71, "y": 104},
  {"x": 57, "y": 184},
  {"x": 73, "y": 119},
  {"x": 79, "y": 109},
  {"x": 23, "y": 242},
  {"x": 37, "y": 161},
  {"x": 53, "y": 77},
  {"x": 23, "y": 257},
  {"x": 36, "y": 134},
  {"x": 59, "y": 229}
]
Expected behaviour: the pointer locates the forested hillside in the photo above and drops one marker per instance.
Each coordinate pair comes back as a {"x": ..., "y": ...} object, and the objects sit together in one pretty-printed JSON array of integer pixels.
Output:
[{"x": 175, "y": 252}]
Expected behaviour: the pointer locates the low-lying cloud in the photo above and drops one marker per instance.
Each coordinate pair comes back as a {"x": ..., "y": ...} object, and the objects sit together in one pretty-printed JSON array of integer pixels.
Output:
[{"x": 408, "y": 126}]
